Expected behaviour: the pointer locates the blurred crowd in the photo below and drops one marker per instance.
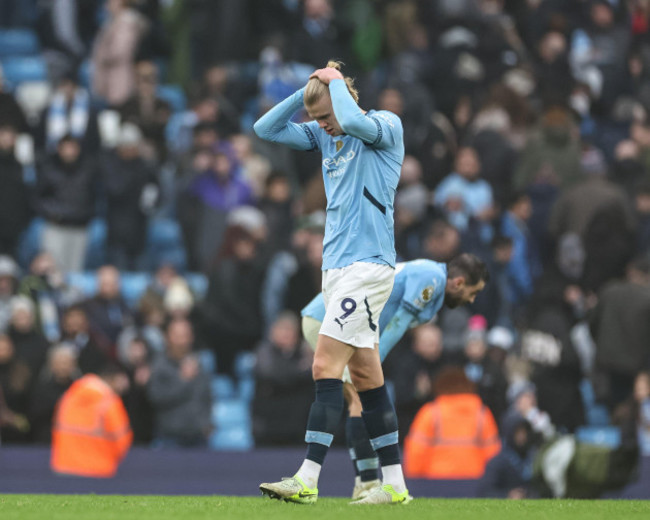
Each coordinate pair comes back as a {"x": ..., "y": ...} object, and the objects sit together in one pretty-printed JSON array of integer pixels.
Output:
[{"x": 527, "y": 134}]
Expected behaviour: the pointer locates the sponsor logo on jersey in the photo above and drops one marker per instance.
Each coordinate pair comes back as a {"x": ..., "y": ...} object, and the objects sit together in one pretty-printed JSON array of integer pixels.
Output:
[{"x": 335, "y": 167}]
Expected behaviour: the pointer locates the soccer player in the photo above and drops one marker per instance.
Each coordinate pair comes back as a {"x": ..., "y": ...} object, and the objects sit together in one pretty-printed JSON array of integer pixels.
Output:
[
  {"x": 421, "y": 288},
  {"x": 362, "y": 153}
]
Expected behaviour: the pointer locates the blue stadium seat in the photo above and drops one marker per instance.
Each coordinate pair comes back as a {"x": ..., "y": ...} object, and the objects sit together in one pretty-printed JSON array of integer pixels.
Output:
[
  {"x": 246, "y": 389},
  {"x": 96, "y": 250},
  {"x": 84, "y": 74},
  {"x": 245, "y": 364},
  {"x": 133, "y": 287},
  {"x": 174, "y": 95},
  {"x": 30, "y": 242},
  {"x": 85, "y": 282},
  {"x": 222, "y": 387},
  {"x": 207, "y": 360},
  {"x": 231, "y": 439},
  {"x": 164, "y": 233},
  {"x": 230, "y": 412},
  {"x": 198, "y": 282},
  {"x": 609, "y": 436},
  {"x": 595, "y": 414},
  {"x": 18, "y": 42},
  {"x": 19, "y": 69}
]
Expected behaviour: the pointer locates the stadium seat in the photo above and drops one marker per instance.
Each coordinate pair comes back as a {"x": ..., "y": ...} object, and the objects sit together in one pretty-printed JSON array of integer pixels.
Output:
[
  {"x": 595, "y": 414},
  {"x": 222, "y": 387},
  {"x": 133, "y": 287},
  {"x": 30, "y": 242},
  {"x": 207, "y": 360},
  {"x": 84, "y": 74},
  {"x": 245, "y": 364},
  {"x": 231, "y": 439},
  {"x": 198, "y": 282},
  {"x": 17, "y": 70},
  {"x": 174, "y": 95},
  {"x": 230, "y": 412},
  {"x": 96, "y": 251},
  {"x": 246, "y": 389},
  {"x": 164, "y": 233},
  {"x": 85, "y": 282},
  {"x": 609, "y": 436},
  {"x": 18, "y": 42}
]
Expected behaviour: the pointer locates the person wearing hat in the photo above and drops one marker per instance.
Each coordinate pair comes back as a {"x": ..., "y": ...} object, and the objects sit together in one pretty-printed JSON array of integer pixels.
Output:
[
  {"x": 65, "y": 198},
  {"x": 132, "y": 194}
]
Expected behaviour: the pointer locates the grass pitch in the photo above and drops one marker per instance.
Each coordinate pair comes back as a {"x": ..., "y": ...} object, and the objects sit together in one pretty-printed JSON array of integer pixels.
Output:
[{"x": 96, "y": 507}]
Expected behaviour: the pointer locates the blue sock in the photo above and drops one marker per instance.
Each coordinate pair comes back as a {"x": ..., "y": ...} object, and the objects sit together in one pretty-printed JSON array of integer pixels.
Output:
[
  {"x": 324, "y": 418},
  {"x": 363, "y": 456},
  {"x": 381, "y": 423}
]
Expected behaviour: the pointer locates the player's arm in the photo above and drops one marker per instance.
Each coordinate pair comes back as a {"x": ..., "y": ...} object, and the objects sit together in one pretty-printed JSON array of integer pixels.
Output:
[
  {"x": 276, "y": 125},
  {"x": 401, "y": 321},
  {"x": 350, "y": 117}
]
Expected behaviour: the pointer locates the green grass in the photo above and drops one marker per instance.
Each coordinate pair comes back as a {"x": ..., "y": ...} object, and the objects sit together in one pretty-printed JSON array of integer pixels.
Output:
[{"x": 96, "y": 507}]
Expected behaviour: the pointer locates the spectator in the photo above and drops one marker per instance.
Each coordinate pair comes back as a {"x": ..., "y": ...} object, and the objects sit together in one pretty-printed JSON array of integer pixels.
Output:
[
  {"x": 45, "y": 286},
  {"x": 11, "y": 115},
  {"x": 65, "y": 198},
  {"x": 91, "y": 433},
  {"x": 508, "y": 475},
  {"x": 463, "y": 194},
  {"x": 76, "y": 332},
  {"x": 132, "y": 192},
  {"x": 277, "y": 205},
  {"x": 15, "y": 381},
  {"x": 147, "y": 111},
  {"x": 107, "y": 312},
  {"x": 522, "y": 395},
  {"x": 231, "y": 311},
  {"x": 8, "y": 285},
  {"x": 642, "y": 398},
  {"x": 256, "y": 170},
  {"x": 524, "y": 265},
  {"x": 453, "y": 436},
  {"x": 69, "y": 113},
  {"x": 414, "y": 370},
  {"x": 620, "y": 330},
  {"x": 31, "y": 346},
  {"x": 135, "y": 356},
  {"x": 15, "y": 211},
  {"x": 283, "y": 384},
  {"x": 179, "y": 392},
  {"x": 60, "y": 372},
  {"x": 114, "y": 52}
]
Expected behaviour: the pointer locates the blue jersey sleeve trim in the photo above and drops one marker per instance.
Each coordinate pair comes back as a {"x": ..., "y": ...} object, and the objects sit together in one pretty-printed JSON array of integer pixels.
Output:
[
  {"x": 311, "y": 136},
  {"x": 380, "y": 133}
]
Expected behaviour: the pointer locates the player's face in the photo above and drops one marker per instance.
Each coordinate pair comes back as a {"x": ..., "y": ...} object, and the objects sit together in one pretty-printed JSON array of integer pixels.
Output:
[
  {"x": 459, "y": 293},
  {"x": 322, "y": 112}
]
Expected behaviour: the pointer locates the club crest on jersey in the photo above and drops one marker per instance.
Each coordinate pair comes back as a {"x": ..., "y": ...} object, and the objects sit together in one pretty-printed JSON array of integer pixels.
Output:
[
  {"x": 339, "y": 145},
  {"x": 427, "y": 293}
]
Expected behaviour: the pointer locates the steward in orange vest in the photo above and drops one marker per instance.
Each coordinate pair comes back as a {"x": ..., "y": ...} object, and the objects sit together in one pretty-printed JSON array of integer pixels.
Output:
[
  {"x": 454, "y": 436},
  {"x": 91, "y": 432}
]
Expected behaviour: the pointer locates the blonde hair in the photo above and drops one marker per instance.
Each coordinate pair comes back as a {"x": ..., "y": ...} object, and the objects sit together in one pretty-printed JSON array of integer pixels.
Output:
[{"x": 316, "y": 89}]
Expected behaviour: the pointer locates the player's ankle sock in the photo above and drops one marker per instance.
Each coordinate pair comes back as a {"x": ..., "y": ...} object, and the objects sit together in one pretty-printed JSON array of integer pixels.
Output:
[
  {"x": 381, "y": 422},
  {"x": 363, "y": 456},
  {"x": 309, "y": 473},
  {"x": 323, "y": 420}
]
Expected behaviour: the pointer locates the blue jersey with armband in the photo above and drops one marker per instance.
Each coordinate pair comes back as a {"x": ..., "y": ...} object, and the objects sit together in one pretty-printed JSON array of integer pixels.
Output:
[
  {"x": 361, "y": 170},
  {"x": 417, "y": 296}
]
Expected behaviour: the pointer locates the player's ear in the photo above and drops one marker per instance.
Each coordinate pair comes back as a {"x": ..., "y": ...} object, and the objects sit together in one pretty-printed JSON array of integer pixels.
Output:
[{"x": 458, "y": 282}]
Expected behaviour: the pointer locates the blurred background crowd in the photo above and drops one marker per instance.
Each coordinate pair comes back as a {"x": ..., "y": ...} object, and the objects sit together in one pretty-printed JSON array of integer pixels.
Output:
[{"x": 143, "y": 224}]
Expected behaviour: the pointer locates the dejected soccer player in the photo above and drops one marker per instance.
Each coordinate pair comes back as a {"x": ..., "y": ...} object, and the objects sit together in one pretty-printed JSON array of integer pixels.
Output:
[
  {"x": 421, "y": 288},
  {"x": 362, "y": 157}
]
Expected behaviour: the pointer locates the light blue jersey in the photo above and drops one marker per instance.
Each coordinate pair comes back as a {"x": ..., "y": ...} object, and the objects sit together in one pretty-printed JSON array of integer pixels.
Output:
[
  {"x": 417, "y": 296},
  {"x": 361, "y": 170}
]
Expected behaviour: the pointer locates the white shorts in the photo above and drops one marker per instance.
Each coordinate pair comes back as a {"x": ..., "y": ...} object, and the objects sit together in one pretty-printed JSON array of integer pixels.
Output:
[{"x": 354, "y": 297}]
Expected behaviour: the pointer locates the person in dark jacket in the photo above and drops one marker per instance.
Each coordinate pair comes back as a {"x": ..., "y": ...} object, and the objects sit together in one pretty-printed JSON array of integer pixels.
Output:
[
  {"x": 131, "y": 192},
  {"x": 508, "y": 475},
  {"x": 620, "y": 327},
  {"x": 283, "y": 384},
  {"x": 66, "y": 200},
  {"x": 179, "y": 391},
  {"x": 31, "y": 346},
  {"x": 60, "y": 372},
  {"x": 14, "y": 195}
]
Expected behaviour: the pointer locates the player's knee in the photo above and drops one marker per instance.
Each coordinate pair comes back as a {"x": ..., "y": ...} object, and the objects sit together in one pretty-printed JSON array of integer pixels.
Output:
[
  {"x": 321, "y": 369},
  {"x": 364, "y": 378}
]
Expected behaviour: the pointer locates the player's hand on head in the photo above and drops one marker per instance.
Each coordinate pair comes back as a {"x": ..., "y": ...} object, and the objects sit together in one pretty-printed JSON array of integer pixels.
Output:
[{"x": 327, "y": 74}]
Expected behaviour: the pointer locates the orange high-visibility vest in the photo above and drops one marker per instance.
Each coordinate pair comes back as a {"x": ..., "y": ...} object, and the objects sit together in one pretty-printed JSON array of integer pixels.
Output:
[
  {"x": 91, "y": 432},
  {"x": 452, "y": 437}
]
